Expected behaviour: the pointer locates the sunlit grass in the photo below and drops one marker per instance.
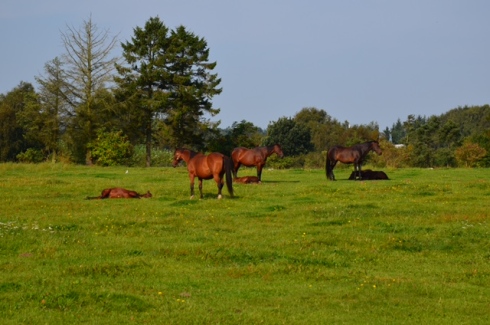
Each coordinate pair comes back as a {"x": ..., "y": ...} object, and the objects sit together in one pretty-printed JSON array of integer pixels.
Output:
[{"x": 295, "y": 249}]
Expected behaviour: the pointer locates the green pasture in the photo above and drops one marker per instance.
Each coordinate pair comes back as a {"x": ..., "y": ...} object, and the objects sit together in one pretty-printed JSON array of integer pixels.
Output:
[{"x": 296, "y": 249}]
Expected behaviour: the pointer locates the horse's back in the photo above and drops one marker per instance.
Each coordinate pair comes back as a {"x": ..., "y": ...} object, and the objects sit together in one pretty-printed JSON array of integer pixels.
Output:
[
  {"x": 344, "y": 154},
  {"x": 206, "y": 166},
  {"x": 249, "y": 157},
  {"x": 239, "y": 152}
]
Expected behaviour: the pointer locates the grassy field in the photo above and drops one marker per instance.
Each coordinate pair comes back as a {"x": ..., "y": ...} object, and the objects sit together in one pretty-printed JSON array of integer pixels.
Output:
[{"x": 296, "y": 249}]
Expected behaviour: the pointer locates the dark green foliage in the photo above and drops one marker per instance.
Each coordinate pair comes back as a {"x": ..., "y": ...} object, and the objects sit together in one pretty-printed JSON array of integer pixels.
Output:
[
  {"x": 110, "y": 148},
  {"x": 168, "y": 78},
  {"x": 434, "y": 140},
  {"x": 294, "y": 138},
  {"x": 397, "y": 133},
  {"x": 30, "y": 156},
  {"x": 19, "y": 111},
  {"x": 240, "y": 134},
  {"x": 54, "y": 106}
]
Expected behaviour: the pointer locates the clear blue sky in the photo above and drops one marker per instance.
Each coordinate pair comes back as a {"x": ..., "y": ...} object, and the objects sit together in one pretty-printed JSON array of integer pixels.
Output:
[{"x": 360, "y": 61}]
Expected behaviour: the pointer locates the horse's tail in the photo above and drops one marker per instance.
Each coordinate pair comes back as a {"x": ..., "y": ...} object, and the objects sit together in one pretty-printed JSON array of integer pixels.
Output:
[
  {"x": 229, "y": 174},
  {"x": 92, "y": 197}
]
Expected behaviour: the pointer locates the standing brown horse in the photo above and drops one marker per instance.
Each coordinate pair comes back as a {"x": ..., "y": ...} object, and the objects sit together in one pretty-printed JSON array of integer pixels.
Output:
[
  {"x": 215, "y": 165},
  {"x": 254, "y": 157},
  {"x": 350, "y": 155}
]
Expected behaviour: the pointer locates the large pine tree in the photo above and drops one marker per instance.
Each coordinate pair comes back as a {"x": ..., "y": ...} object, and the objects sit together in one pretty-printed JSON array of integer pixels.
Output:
[{"x": 168, "y": 77}]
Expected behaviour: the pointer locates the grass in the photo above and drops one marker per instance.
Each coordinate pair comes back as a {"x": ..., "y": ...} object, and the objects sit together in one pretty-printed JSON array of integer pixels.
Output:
[{"x": 296, "y": 249}]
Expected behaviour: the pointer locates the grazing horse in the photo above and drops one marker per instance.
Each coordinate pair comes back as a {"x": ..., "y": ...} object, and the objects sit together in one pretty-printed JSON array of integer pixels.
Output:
[
  {"x": 369, "y": 174},
  {"x": 254, "y": 157},
  {"x": 215, "y": 165},
  {"x": 119, "y": 193},
  {"x": 350, "y": 155}
]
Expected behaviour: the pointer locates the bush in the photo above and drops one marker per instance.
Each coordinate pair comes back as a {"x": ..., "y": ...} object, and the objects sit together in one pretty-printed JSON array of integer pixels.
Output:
[
  {"x": 111, "y": 148},
  {"x": 30, "y": 156},
  {"x": 159, "y": 157}
]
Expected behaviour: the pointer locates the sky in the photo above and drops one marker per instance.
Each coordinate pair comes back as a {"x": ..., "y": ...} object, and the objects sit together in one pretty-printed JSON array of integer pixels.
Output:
[{"x": 361, "y": 61}]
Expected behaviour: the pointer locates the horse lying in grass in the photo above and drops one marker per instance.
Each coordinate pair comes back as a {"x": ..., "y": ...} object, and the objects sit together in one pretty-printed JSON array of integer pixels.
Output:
[
  {"x": 369, "y": 174},
  {"x": 119, "y": 193},
  {"x": 247, "y": 180}
]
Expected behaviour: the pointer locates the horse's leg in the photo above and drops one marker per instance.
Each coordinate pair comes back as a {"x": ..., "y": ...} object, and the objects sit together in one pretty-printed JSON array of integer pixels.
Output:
[
  {"x": 235, "y": 168},
  {"x": 357, "y": 169},
  {"x": 332, "y": 165},
  {"x": 219, "y": 183},
  {"x": 259, "y": 172},
  {"x": 192, "y": 185},
  {"x": 200, "y": 187}
]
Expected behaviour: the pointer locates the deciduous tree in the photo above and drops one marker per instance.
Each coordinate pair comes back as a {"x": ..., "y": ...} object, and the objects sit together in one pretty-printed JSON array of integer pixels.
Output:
[{"x": 89, "y": 65}]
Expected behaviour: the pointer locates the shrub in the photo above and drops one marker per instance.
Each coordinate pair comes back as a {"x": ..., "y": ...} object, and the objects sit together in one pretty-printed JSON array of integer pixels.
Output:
[
  {"x": 159, "y": 157},
  {"x": 30, "y": 156},
  {"x": 110, "y": 148}
]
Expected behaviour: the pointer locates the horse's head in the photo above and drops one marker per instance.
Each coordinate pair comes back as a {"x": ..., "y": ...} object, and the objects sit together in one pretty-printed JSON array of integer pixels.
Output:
[
  {"x": 375, "y": 147},
  {"x": 278, "y": 150},
  {"x": 178, "y": 157}
]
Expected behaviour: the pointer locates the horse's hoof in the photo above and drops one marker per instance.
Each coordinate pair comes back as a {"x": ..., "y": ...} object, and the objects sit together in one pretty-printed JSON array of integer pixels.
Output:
[
  {"x": 219, "y": 197},
  {"x": 192, "y": 196}
]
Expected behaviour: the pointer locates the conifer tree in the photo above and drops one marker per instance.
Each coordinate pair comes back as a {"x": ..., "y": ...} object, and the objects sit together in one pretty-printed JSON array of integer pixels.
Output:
[{"x": 167, "y": 77}]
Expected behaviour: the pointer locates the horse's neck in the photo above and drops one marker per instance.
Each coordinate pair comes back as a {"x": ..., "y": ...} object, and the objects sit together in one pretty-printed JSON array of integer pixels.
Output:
[
  {"x": 366, "y": 148},
  {"x": 269, "y": 150},
  {"x": 188, "y": 155}
]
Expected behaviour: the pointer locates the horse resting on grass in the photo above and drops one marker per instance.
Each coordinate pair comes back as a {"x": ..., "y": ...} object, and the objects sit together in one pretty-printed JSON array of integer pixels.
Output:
[
  {"x": 247, "y": 180},
  {"x": 254, "y": 157},
  {"x": 212, "y": 166},
  {"x": 119, "y": 193},
  {"x": 368, "y": 174},
  {"x": 350, "y": 155}
]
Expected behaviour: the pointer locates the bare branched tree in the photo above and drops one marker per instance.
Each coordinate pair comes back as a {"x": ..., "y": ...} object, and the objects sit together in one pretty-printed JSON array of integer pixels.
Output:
[{"x": 88, "y": 73}]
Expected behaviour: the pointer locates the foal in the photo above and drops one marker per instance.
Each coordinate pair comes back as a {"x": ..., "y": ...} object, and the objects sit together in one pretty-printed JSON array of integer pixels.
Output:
[{"x": 119, "y": 193}]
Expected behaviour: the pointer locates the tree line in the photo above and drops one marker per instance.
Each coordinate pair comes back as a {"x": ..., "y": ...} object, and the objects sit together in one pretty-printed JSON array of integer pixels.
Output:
[{"x": 94, "y": 108}]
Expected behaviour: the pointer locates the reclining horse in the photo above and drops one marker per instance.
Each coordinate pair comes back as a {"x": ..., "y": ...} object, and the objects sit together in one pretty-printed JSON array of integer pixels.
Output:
[
  {"x": 119, "y": 193},
  {"x": 369, "y": 174},
  {"x": 247, "y": 180}
]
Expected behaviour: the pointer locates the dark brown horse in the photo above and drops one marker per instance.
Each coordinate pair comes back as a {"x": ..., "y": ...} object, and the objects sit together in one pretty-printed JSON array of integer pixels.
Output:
[
  {"x": 368, "y": 174},
  {"x": 215, "y": 165},
  {"x": 119, "y": 193},
  {"x": 254, "y": 157},
  {"x": 350, "y": 155}
]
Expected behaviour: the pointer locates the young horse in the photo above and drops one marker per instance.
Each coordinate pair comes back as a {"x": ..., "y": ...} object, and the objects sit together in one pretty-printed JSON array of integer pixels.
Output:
[
  {"x": 214, "y": 165},
  {"x": 253, "y": 157},
  {"x": 351, "y": 155},
  {"x": 119, "y": 193},
  {"x": 247, "y": 180}
]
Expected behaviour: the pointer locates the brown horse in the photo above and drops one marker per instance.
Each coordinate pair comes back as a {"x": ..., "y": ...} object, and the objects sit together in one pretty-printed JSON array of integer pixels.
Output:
[
  {"x": 247, "y": 180},
  {"x": 215, "y": 165},
  {"x": 368, "y": 174},
  {"x": 350, "y": 155},
  {"x": 254, "y": 157},
  {"x": 119, "y": 193}
]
